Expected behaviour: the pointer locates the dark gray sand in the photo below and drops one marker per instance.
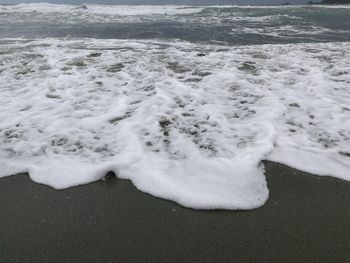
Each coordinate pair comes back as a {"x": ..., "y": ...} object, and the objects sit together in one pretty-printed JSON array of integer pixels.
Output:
[{"x": 307, "y": 219}]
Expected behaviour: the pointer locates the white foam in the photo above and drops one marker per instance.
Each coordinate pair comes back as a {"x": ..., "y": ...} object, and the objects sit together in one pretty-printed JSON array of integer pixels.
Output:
[
  {"x": 89, "y": 14},
  {"x": 125, "y": 10},
  {"x": 185, "y": 122}
]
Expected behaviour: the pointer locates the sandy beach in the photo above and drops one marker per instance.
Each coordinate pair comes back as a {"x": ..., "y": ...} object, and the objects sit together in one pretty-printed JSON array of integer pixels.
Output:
[{"x": 306, "y": 219}]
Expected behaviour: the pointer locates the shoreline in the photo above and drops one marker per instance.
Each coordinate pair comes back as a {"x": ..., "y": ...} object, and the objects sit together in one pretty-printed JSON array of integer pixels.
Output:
[{"x": 304, "y": 220}]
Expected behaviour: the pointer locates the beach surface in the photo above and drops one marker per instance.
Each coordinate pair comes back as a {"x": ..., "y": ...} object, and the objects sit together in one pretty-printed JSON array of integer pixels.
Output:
[{"x": 306, "y": 219}]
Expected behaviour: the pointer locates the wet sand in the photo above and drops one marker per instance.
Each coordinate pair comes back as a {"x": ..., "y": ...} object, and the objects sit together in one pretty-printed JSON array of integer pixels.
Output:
[{"x": 306, "y": 219}]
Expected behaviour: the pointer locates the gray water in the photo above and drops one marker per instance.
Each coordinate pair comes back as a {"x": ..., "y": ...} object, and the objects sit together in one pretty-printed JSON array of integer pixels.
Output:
[{"x": 220, "y": 25}]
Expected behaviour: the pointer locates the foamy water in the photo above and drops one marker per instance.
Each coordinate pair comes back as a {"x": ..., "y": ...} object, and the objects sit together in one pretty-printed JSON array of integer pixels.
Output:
[{"x": 186, "y": 121}]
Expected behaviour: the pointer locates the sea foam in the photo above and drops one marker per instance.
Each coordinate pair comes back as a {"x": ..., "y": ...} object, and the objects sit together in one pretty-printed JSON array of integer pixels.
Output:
[{"x": 183, "y": 121}]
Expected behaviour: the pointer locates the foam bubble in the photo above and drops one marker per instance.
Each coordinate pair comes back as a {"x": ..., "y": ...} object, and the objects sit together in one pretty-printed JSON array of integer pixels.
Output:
[{"x": 185, "y": 122}]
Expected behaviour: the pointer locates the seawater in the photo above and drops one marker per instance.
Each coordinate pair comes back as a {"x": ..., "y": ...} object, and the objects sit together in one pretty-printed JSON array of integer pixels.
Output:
[{"x": 184, "y": 101}]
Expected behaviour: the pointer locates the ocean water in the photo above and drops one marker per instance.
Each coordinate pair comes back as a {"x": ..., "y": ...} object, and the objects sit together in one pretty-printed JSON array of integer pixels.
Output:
[{"x": 184, "y": 101}]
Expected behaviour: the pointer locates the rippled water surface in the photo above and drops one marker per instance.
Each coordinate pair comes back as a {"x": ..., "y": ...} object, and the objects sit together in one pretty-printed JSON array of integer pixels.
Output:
[{"x": 226, "y": 25}]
